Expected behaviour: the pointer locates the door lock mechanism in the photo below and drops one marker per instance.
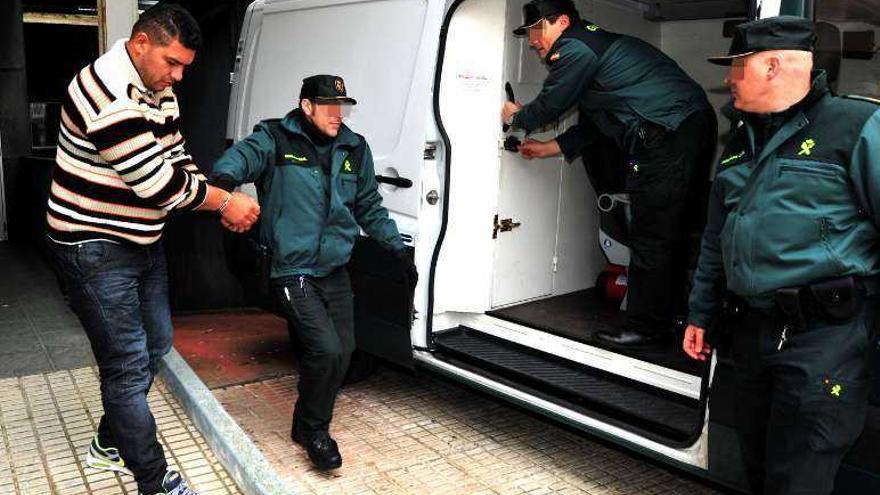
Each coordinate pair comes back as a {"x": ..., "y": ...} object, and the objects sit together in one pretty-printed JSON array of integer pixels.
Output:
[
  {"x": 504, "y": 225},
  {"x": 432, "y": 198}
]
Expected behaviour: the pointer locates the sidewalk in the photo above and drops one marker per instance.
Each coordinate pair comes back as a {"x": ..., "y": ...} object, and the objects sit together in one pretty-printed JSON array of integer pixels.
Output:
[
  {"x": 50, "y": 401},
  {"x": 402, "y": 433},
  {"x": 38, "y": 332},
  {"x": 47, "y": 422}
]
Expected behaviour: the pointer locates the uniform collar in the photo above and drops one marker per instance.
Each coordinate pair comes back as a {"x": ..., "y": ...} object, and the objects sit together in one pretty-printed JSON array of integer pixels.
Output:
[{"x": 783, "y": 124}]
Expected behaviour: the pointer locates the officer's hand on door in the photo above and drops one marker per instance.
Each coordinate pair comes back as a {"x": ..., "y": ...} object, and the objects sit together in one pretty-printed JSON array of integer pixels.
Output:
[
  {"x": 694, "y": 344},
  {"x": 532, "y": 148},
  {"x": 508, "y": 109}
]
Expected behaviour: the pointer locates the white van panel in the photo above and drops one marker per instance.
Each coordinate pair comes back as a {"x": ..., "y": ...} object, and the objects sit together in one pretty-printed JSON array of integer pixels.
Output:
[
  {"x": 471, "y": 92},
  {"x": 389, "y": 75}
]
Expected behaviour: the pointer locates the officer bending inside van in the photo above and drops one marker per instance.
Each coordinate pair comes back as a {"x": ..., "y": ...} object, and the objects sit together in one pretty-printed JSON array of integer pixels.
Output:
[
  {"x": 316, "y": 186},
  {"x": 792, "y": 232},
  {"x": 644, "y": 104}
]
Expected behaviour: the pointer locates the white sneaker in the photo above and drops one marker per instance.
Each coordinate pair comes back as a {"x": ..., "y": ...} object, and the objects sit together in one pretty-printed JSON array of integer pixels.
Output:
[{"x": 105, "y": 458}]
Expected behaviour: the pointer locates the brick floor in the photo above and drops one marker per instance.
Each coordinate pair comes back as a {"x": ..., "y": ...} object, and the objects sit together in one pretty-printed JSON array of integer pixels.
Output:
[
  {"x": 419, "y": 434},
  {"x": 47, "y": 421}
]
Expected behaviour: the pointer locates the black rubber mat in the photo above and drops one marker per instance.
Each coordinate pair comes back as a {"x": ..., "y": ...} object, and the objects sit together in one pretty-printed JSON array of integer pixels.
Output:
[
  {"x": 580, "y": 315},
  {"x": 669, "y": 415}
]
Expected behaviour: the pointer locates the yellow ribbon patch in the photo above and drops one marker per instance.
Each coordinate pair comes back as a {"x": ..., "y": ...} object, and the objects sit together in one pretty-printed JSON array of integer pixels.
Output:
[
  {"x": 733, "y": 157},
  {"x": 807, "y": 147},
  {"x": 592, "y": 28},
  {"x": 347, "y": 166},
  {"x": 836, "y": 390}
]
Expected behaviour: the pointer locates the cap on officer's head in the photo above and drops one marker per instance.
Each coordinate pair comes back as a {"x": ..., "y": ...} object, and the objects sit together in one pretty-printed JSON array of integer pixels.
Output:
[
  {"x": 784, "y": 32},
  {"x": 324, "y": 88},
  {"x": 536, "y": 10}
]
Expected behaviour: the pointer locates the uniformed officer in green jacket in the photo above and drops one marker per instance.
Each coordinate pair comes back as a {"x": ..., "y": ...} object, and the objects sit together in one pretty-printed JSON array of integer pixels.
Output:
[
  {"x": 792, "y": 237},
  {"x": 632, "y": 97},
  {"x": 317, "y": 188}
]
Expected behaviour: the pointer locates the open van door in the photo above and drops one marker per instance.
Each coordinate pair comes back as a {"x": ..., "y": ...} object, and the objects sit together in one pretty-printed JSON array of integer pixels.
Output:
[{"x": 390, "y": 75}]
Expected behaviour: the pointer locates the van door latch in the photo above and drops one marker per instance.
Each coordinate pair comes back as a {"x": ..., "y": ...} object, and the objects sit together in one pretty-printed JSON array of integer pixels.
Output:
[{"x": 505, "y": 225}]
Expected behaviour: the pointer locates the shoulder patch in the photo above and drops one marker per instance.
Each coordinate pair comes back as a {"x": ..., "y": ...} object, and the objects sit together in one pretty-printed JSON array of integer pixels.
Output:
[
  {"x": 732, "y": 158},
  {"x": 295, "y": 158}
]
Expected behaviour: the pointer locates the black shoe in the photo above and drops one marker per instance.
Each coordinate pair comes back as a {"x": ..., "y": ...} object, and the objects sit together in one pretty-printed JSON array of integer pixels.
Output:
[
  {"x": 322, "y": 450},
  {"x": 632, "y": 338}
]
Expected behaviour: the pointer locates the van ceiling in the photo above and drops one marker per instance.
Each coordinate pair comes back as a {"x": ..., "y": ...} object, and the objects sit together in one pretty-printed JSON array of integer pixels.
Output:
[{"x": 680, "y": 10}]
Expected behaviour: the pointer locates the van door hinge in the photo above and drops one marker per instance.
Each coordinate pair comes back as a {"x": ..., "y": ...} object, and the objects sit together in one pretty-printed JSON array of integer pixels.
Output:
[
  {"x": 505, "y": 225},
  {"x": 430, "y": 151},
  {"x": 555, "y": 263}
]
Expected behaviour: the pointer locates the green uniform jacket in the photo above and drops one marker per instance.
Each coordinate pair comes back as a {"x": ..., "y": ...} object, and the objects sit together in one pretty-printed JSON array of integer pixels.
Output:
[
  {"x": 307, "y": 235},
  {"x": 806, "y": 208},
  {"x": 617, "y": 81}
]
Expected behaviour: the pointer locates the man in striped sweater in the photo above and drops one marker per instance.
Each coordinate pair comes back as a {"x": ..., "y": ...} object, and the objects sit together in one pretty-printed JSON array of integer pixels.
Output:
[{"x": 121, "y": 169}]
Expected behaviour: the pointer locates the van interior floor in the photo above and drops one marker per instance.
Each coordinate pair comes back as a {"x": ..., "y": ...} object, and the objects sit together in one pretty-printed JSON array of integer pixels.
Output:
[{"x": 580, "y": 315}]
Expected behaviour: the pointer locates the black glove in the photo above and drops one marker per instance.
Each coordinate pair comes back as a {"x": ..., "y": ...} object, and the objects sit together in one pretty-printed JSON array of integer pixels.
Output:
[{"x": 412, "y": 274}]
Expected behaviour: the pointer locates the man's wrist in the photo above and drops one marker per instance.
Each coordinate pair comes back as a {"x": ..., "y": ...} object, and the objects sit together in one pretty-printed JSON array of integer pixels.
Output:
[{"x": 224, "y": 203}]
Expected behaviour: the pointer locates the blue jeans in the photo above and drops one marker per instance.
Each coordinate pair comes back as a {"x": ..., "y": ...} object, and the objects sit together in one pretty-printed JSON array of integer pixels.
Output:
[{"x": 120, "y": 294}]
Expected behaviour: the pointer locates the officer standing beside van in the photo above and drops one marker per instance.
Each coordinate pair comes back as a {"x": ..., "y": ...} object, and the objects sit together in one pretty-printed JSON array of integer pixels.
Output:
[
  {"x": 792, "y": 233},
  {"x": 317, "y": 188},
  {"x": 661, "y": 121}
]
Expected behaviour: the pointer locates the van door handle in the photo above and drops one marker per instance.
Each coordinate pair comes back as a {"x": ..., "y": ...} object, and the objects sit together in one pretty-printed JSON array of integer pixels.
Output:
[{"x": 394, "y": 181}]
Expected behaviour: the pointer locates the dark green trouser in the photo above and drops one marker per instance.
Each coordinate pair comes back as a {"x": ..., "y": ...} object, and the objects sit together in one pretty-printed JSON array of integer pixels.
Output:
[
  {"x": 801, "y": 408},
  {"x": 322, "y": 312}
]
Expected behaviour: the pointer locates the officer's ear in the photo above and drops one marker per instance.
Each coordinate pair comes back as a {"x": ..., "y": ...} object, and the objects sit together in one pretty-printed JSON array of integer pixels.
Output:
[
  {"x": 307, "y": 107},
  {"x": 564, "y": 21},
  {"x": 773, "y": 65}
]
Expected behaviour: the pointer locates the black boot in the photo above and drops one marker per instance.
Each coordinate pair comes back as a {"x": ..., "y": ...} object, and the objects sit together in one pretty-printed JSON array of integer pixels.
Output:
[
  {"x": 632, "y": 338},
  {"x": 322, "y": 450}
]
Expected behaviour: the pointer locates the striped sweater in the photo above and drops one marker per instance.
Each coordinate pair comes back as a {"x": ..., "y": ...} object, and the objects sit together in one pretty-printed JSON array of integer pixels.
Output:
[{"x": 121, "y": 166}]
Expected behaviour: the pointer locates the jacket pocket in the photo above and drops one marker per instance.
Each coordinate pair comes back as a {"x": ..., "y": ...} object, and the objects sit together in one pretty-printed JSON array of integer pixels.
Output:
[
  {"x": 812, "y": 168},
  {"x": 348, "y": 192},
  {"x": 826, "y": 229}
]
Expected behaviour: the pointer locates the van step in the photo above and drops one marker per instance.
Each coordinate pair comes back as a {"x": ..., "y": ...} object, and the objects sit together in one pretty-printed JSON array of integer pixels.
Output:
[
  {"x": 668, "y": 415},
  {"x": 580, "y": 315}
]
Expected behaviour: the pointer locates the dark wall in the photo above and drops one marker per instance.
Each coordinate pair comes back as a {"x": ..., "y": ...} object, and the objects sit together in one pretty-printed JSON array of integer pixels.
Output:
[
  {"x": 14, "y": 112},
  {"x": 196, "y": 244}
]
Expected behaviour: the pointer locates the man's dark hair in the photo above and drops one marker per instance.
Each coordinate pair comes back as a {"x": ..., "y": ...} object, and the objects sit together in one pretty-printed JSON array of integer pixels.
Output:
[{"x": 166, "y": 22}]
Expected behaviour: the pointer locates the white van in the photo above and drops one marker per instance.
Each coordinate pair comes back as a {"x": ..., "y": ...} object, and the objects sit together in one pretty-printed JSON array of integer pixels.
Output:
[{"x": 508, "y": 250}]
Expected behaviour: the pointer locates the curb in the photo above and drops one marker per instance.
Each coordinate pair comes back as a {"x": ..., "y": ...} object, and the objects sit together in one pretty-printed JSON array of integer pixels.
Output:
[{"x": 232, "y": 446}]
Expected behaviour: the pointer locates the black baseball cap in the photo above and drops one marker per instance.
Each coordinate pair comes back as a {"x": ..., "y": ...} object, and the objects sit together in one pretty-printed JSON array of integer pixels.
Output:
[
  {"x": 536, "y": 10},
  {"x": 325, "y": 88},
  {"x": 783, "y": 32}
]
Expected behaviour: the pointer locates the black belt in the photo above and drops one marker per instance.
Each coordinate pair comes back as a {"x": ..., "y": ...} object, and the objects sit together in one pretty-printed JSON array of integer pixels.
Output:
[{"x": 835, "y": 300}]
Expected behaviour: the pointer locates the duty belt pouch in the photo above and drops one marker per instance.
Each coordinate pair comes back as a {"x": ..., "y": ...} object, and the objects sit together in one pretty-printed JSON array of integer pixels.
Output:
[
  {"x": 733, "y": 312},
  {"x": 836, "y": 299},
  {"x": 256, "y": 262},
  {"x": 788, "y": 301}
]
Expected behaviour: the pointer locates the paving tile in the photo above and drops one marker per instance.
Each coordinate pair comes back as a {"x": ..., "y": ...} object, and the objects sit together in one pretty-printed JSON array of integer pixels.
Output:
[
  {"x": 408, "y": 434},
  {"x": 71, "y": 356},
  {"x": 12, "y": 312},
  {"x": 47, "y": 421},
  {"x": 21, "y": 364}
]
